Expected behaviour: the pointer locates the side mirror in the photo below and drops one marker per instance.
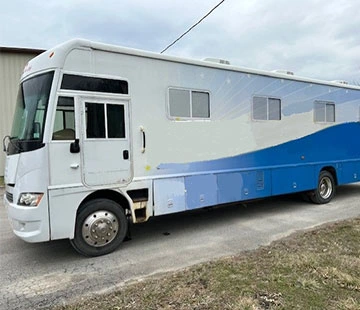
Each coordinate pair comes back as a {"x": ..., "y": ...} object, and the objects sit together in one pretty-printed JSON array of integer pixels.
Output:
[
  {"x": 5, "y": 145},
  {"x": 74, "y": 146}
]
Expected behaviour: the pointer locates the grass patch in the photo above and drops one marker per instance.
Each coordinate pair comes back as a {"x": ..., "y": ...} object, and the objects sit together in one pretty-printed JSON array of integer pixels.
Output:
[
  {"x": 319, "y": 269},
  {"x": 1, "y": 181}
]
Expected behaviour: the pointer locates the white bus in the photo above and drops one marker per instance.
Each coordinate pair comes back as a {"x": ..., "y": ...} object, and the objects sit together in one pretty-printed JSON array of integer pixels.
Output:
[{"x": 103, "y": 134}]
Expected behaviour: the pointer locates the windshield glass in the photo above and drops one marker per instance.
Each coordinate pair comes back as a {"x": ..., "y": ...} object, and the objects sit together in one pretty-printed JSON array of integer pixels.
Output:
[{"x": 30, "y": 113}]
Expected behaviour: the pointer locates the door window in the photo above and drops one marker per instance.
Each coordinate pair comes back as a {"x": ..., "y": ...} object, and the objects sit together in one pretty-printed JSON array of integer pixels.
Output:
[
  {"x": 104, "y": 120},
  {"x": 115, "y": 121},
  {"x": 95, "y": 120}
]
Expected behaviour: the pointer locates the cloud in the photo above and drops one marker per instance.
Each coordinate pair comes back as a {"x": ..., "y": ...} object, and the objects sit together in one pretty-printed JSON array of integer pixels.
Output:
[{"x": 315, "y": 38}]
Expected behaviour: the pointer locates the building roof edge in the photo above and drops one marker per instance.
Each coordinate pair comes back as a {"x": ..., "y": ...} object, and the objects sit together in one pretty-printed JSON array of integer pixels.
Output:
[{"x": 18, "y": 50}]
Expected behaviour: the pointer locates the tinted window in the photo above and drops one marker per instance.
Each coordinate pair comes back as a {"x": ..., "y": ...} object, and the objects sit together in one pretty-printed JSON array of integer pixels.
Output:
[
  {"x": 86, "y": 83},
  {"x": 266, "y": 108},
  {"x": 105, "y": 120},
  {"x": 330, "y": 112},
  {"x": 179, "y": 100},
  {"x": 324, "y": 112},
  {"x": 115, "y": 121},
  {"x": 188, "y": 103},
  {"x": 95, "y": 120},
  {"x": 274, "y": 109},
  {"x": 260, "y": 108},
  {"x": 319, "y": 112},
  {"x": 200, "y": 104}
]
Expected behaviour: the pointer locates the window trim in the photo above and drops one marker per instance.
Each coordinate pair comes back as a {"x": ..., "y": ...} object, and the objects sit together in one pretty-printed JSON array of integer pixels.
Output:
[
  {"x": 185, "y": 118},
  {"x": 267, "y": 108},
  {"x": 325, "y": 103}
]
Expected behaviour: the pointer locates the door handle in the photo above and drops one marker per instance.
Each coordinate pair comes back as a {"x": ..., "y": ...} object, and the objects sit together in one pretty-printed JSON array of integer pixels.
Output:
[
  {"x": 74, "y": 166},
  {"x": 126, "y": 154},
  {"x": 143, "y": 139}
]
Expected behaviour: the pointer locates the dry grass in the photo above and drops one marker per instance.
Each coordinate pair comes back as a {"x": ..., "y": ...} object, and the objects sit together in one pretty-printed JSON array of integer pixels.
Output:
[
  {"x": 319, "y": 269},
  {"x": 1, "y": 181}
]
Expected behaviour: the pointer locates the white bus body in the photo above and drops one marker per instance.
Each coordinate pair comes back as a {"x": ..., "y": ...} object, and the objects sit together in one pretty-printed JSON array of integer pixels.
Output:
[{"x": 102, "y": 133}]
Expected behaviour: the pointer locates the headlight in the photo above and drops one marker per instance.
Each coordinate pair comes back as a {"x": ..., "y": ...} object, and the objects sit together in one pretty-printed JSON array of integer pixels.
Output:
[{"x": 30, "y": 199}]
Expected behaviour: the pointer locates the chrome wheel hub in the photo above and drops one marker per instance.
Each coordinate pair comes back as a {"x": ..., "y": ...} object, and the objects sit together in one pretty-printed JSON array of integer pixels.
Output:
[
  {"x": 325, "y": 188},
  {"x": 100, "y": 228}
]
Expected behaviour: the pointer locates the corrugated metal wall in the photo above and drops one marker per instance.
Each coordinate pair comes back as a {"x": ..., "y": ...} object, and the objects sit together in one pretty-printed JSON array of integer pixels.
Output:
[{"x": 11, "y": 67}]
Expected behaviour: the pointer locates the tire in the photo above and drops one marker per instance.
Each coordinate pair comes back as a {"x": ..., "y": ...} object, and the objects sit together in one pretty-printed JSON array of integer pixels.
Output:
[
  {"x": 325, "y": 190},
  {"x": 100, "y": 228}
]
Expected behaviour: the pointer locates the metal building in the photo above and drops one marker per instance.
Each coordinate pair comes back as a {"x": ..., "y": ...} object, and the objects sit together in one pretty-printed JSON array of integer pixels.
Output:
[{"x": 12, "y": 63}]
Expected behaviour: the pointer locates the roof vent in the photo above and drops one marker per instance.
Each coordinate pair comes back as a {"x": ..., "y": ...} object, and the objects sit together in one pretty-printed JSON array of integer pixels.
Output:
[
  {"x": 281, "y": 71},
  {"x": 341, "y": 82},
  {"x": 218, "y": 61}
]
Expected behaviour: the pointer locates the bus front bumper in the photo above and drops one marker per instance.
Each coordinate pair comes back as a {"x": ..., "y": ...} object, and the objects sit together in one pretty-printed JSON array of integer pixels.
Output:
[{"x": 28, "y": 223}]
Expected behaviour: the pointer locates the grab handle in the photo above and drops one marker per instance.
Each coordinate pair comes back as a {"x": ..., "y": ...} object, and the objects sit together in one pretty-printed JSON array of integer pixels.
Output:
[{"x": 143, "y": 139}]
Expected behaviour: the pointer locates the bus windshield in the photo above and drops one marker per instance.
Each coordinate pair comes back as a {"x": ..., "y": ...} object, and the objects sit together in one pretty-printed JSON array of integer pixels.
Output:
[{"x": 30, "y": 113}]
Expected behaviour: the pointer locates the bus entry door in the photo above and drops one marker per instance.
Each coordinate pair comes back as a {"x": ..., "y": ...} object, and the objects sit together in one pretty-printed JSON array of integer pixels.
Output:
[{"x": 105, "y": 142}]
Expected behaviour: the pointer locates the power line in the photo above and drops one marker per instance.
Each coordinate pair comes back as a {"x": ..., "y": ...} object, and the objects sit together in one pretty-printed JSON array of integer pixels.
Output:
[{"x": 193, "y": 26}]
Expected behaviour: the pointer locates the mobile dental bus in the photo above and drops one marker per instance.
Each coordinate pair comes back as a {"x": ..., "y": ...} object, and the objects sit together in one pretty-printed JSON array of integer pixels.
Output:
[{"x": 104, "y": 133}]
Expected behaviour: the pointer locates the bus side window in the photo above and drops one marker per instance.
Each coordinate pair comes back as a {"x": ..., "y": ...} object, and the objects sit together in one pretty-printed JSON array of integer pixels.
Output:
[{"x": 64, "y": 125}]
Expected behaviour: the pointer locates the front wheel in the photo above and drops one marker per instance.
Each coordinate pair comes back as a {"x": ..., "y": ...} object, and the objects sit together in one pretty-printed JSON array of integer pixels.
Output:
[
  {"x": 101, "y": 226},
  {"x": 325, "y": 190}
]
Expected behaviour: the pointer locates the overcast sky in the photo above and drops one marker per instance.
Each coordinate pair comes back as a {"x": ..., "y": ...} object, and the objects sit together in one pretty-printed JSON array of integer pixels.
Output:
[{"x": 313, "y": 38}]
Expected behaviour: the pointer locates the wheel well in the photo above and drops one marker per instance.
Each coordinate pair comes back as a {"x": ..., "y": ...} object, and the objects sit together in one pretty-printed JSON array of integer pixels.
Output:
[
  {"x": 107, "y": 194},
  {"x": 331, "y": 170}
]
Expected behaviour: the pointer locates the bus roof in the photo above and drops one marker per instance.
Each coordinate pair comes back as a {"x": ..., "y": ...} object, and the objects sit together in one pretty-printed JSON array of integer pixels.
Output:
[{"x": 67, "y": 46}]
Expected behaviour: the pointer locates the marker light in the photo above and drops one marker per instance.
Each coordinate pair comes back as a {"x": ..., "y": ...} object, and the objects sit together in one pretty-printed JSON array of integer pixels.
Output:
[
  {"x": 30, "y": 199},
  {"x": 51, "y": 54}
]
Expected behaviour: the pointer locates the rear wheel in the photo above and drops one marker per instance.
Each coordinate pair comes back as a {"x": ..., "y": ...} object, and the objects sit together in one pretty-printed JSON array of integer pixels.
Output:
[
  {"x": 325, "y": 190},
  {"x": 101, "y": 226}
]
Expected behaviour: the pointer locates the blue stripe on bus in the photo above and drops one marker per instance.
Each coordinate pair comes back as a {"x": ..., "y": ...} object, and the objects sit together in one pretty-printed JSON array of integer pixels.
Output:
[{"x": 287, "y": 168}]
